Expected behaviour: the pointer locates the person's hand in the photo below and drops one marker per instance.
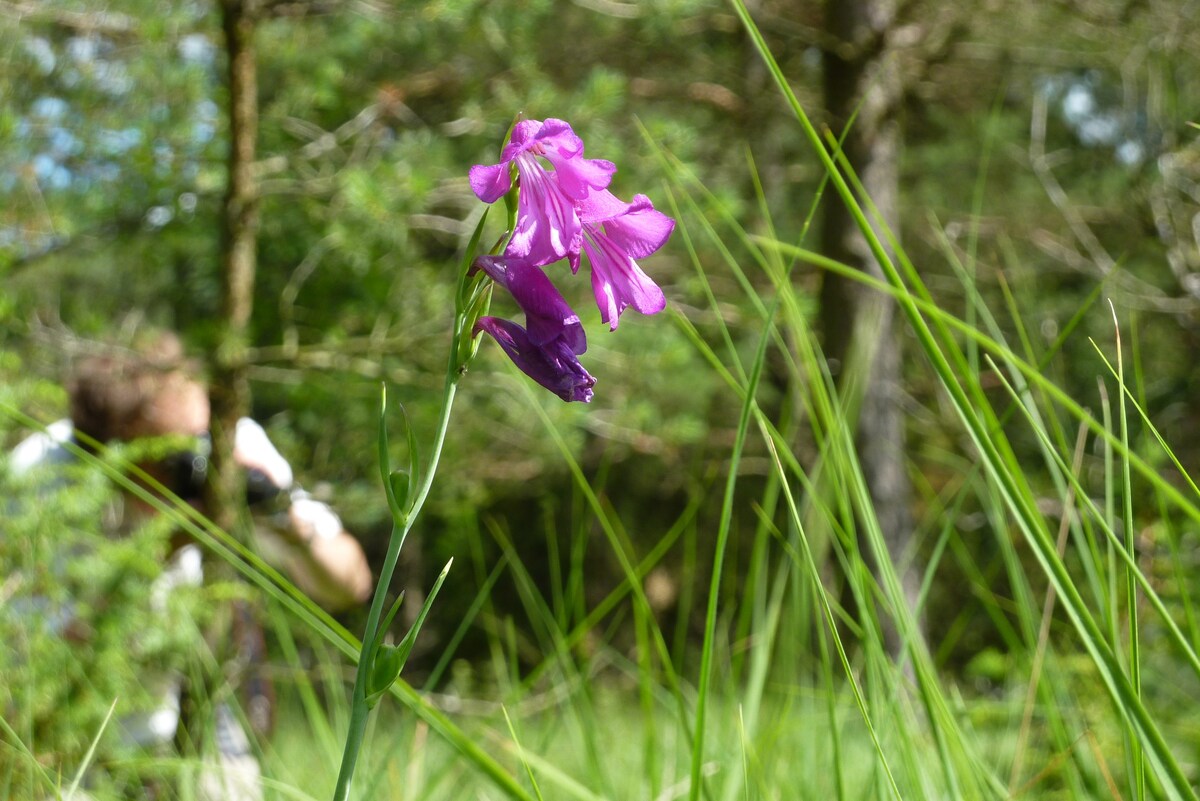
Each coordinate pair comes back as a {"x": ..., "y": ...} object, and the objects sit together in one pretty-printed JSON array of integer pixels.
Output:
[
  {"x": 310, "y": 520},
  {"x": 254, "y": 451}
]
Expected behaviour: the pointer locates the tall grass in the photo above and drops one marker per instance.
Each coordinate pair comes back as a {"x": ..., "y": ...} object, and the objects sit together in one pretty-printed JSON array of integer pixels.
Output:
[{"x": 790, "y": 691}]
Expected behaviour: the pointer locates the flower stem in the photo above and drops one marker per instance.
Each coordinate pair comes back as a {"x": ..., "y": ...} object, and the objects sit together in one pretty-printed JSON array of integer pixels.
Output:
[
  {"x": 466, "y": 310},
  {"x": 359, "y": 710}
]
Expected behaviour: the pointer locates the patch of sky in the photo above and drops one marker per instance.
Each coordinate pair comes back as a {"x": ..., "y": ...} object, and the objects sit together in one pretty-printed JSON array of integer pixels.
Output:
[
  {"x": 164, "y": 158},
  {"x": 196, "y": 48},
  {"x": 86, "y": 54},
  {"x": 50, "y": 109},
  {"x": 63, "y": 143},
  {"x": 1131, "y": 153},
  {"x": 1081, "y": 110},
  {"x": 83, "y": 49},
  {"x": 115, "y": 143},
  {"x": 50, "y": 174},
  {"x": 158, "y": 216},
  {"x": 1099, "y": 129},
  {"x": 203, "y": 132},
  {"x": 207, "y": 110},
  {"x": 113, "y": 77},
  {"x": 42, "y": 53},
  {"x": 43, "y": 164},
  {"x": 1078, "y": 103},
  {"x": 1096, "y": 122},
  {"x": 106, "y": 171},
  {"x": 205, "y": 126}
]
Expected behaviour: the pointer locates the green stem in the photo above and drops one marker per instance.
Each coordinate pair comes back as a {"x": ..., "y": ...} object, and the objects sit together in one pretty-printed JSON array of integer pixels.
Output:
[
  {"x": 467, "y": 307},
  {"x": 359, "y": 711}
]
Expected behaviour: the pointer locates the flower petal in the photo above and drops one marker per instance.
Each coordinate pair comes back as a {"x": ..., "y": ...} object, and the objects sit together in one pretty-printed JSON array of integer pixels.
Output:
[
  {"x": 524, "y": 136},
  {"x": 555, "y": 367},
  {"x": 578, "y": 176},
  {"x": 548, "y": 316},
  {"x": 602, "y": 205},
  {"x": 618, "y": 281},
  {"x": 615, "y": 234},
  {"x": 490, "y": 182},
  {"x": 548, "y": 225},
  {"x": 641, "y": 230},
  {"x": 637, "y": 227},
  {"x": 559, "y": 145},
  {"x": 557, "y": 136}
]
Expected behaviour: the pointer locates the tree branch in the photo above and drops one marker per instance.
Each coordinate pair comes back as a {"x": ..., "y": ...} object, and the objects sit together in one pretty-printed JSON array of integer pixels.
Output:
[{"x": 110, "y": 23}]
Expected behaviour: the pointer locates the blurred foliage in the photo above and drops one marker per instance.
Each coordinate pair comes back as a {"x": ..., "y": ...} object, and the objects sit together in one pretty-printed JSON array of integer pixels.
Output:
[
  {"x": 371, "y": 116},
  {"x": 84, "y": 615}
]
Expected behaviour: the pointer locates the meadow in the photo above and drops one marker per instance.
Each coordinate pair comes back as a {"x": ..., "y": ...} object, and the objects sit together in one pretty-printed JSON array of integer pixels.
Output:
[{"x": 739, "y": 629}]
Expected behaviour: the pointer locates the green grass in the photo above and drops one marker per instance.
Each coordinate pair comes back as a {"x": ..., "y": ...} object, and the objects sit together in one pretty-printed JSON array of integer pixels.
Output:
[{"x": 1085, "y": 684}]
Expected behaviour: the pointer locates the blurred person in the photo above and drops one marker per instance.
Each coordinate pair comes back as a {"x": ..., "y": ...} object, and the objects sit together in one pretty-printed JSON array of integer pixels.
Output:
[{"x": 125, "y": 396}]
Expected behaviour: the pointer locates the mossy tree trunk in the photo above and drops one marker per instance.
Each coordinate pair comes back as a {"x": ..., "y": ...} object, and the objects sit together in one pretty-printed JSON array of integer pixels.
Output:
[
  {"x": 230, "y": 390},
  {"x": 863, "y": 88}
]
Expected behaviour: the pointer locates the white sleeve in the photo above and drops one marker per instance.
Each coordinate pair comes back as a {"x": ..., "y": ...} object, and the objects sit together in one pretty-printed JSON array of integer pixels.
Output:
[
  {"x": 44, "y": 447},
  {"x": 253, "y": 450}
]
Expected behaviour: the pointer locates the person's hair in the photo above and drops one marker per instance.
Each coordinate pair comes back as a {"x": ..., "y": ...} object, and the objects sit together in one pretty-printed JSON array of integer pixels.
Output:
[{"x": 145, "y": 391}]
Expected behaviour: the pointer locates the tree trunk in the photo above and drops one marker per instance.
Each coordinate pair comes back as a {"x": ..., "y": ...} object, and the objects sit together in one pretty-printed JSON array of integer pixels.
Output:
[
  {"x": 861, "y": 81},
  {"x": 230, "y": 390}
]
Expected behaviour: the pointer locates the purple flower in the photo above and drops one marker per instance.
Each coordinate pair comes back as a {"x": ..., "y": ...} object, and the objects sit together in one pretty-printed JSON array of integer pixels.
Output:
[
  {"x": 548, "y": 226},
  {"x": 555, "y": 366},
  {"x": 547, "y": 349},
  {"x": 616, "y": 233},
  {"x": 548, "y": 317}
]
